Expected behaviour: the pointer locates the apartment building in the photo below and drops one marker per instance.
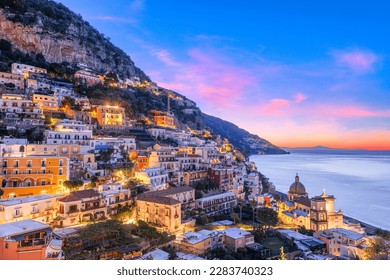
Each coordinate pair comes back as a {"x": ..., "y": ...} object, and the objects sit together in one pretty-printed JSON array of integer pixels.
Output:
[
  {"x": 33, "y": 175},
  {"x": 222, "y": 203},
  {"x": 28, "y": 240},
  {"x": 85, "y": 205},
  {"x": 40, "y": 208}
]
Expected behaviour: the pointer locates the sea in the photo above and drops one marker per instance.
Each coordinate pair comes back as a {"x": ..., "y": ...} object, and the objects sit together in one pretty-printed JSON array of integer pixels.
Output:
[{"x": 359, "y": 179}]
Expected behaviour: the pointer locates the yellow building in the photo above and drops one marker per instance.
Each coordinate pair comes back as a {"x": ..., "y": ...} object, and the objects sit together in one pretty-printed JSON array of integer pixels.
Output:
[
  {"x": 110, "y": 115},
  {"x": 33, "y": 175},
  {"x": 165, "y": 120},
  {"x": 46, "y": 102},
  {"x": 162, "y": 212}
]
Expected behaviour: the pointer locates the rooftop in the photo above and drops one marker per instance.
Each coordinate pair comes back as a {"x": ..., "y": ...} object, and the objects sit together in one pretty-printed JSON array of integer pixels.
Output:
[
  {"x": 172, "y": 191},
  {"x": 26, "y": 199},
  {"x": 236, "y": 233},
  {"x": 216, "y": 196},
  {"x": 79, "y": 195},
  {"x": 347, "y": 233},
  {"x": 21, "y": 227},
  {"x": 154, "y": 198},
  {"x": 157, "y": 254},
  {"x": 194, "y": 237}
]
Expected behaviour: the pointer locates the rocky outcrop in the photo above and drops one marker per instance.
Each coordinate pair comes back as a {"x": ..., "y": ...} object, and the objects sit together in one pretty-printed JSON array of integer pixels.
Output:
[{"x": 77, "y": 43}]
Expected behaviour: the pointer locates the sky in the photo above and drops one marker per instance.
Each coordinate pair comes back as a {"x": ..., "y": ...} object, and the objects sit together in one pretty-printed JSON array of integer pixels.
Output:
[{"x": 297, "y": 73}]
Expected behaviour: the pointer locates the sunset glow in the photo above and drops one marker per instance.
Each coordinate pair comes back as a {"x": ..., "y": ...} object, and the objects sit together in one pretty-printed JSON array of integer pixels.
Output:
[{"x": 292, "y": 74}]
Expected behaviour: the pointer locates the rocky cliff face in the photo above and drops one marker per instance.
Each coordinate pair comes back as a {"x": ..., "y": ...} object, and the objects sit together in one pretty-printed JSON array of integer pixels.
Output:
[{"x": 75, "y": 42}]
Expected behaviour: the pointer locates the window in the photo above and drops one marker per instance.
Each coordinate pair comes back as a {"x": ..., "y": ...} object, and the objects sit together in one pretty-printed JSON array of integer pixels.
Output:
[
  {"x": 29, "y": 163},
  {"x": 17, "y": 212},
  {"x": 5, "y": 163},
  {"x": 16, "y": 163},
  {"x": 61, "y": 162},
  {"x": 166, "y": 212},
  {"x": 60, "y": 171}
]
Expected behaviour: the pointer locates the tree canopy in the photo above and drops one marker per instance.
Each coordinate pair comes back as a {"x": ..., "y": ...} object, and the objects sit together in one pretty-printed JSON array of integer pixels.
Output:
[{"x": 267, "y": 217}]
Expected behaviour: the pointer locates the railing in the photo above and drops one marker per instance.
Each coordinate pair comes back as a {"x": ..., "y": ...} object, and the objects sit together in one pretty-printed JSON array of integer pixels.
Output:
[
  {"x": 32, "y": 242},
  {"x": 70, "y": 211}
]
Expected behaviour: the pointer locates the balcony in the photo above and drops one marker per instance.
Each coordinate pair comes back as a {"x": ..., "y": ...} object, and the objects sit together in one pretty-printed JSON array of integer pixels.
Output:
[
  {"x": 32, "y": 242},
  {"x": 70, "y": 211}
]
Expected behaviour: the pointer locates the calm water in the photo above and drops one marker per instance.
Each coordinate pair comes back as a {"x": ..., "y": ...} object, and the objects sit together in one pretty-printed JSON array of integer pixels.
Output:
[{"x": 359, "y": 180}]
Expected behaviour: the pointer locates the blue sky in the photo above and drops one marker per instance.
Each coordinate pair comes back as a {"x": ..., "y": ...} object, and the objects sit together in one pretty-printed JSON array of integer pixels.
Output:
[{"x": 298, "y": 73}]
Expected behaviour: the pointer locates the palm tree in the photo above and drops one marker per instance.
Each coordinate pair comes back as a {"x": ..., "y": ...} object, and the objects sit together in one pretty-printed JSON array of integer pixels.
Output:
[
  {"x": 253, "y": 204},
  {"x": 240, "y": 204}
]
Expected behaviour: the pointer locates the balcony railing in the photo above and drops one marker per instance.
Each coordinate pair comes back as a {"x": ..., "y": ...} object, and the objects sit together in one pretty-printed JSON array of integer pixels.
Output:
[{"x": 32, "y": 242}]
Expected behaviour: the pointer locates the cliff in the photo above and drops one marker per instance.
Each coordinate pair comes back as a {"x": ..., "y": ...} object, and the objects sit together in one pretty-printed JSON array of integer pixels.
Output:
[{"x": 51, "y": 29}]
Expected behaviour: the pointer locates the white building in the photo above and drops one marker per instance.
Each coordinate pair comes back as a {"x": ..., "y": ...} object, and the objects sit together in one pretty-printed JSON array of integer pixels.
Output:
[
  {"x": 24, "y": 69},
  {"x": 69, "y": 132},
  {"x": 40, "y": 208},
  {"x": 156, "y": 178},
  {"x": 20, "y": 111},
  {"x": 222, "y": 203},
  {"x": 7, "y": 78}
]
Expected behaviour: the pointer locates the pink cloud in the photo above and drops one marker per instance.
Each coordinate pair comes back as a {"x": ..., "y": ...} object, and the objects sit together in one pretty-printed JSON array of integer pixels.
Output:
[
  {"x": 356, "y": 60},
  {"x": 299, "y": 97},
  {"x": 210, "y": 78},
  {"x": 165, "y": 57},
  {"x": 274, "y": 107}
]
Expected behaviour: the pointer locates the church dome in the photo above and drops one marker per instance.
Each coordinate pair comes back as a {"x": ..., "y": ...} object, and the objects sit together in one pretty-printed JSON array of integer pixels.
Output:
[{"x": 297, "y": 187}]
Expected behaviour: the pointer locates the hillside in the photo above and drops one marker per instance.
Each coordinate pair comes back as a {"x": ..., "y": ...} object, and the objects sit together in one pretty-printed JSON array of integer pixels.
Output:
[
  {"x": 47, "y": 34},
  {"x": 241, "y": 138}
]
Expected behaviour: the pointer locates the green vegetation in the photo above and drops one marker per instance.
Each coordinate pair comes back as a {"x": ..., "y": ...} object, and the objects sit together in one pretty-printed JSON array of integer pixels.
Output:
[
  {"x": 267, "y": 217},
  {"x": 73, "y": 185}
]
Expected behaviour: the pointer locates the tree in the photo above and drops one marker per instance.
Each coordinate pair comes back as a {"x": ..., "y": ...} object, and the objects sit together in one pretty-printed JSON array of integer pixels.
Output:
[
  {"x": 253, "y": 204},
  {"x": 240, "y": 204},
  {"x": 379, "y": 249},
  {"x": 235, "y": 217},
  {"x": 267, "y": 217},
  {"x": 73, "y": 185}
]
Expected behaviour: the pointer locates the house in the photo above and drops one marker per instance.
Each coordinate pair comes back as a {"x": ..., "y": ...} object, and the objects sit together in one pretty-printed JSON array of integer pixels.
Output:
[
  {"x": 28, "y": 240},
  {"x": 25, "y": 69},
  {"x": 20, "y": 111},
  {"x": 115, "y": 196},
  {"x": 46, "y": 102},
  {"x": 222, "y": 203},
  {"x": 41, "y": 208},
  {"x": 70, "y": 132},
  {"x": 155, "y": 178},
  {"x": 343, "y": 242},
  {"x": 9, "y": 78},
  {"x": 33, "y": 175},
  {"x": 162, "y": 212},
  {"x": 110, "y": 116},
  {"x": 193, "y": 243},
  {"x": 223, "y": 177},
  {"x": 237, "y": 238},
  {"x": 85, "y": 205}
]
